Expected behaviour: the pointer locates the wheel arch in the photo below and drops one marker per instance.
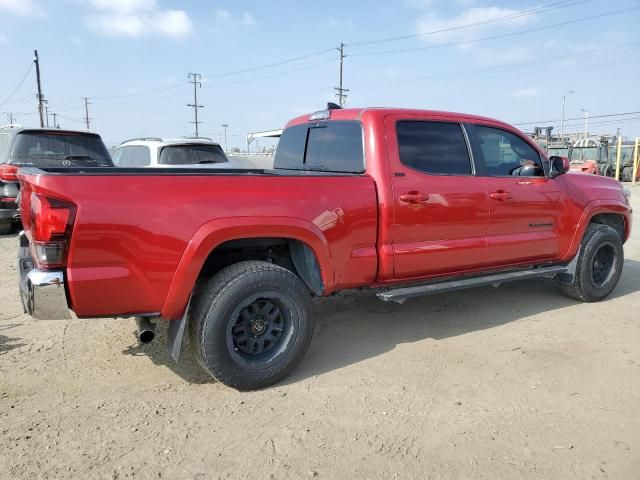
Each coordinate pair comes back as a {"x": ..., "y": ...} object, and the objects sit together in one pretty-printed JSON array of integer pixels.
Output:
[
  {"x": 309, "y": 248},
  {"x": 607, "y": 212},
  {"x": 614, "y": 220}
]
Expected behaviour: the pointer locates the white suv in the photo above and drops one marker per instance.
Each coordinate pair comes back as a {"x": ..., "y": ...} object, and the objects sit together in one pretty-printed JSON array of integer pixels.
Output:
[{"x": 171, "y": 153}]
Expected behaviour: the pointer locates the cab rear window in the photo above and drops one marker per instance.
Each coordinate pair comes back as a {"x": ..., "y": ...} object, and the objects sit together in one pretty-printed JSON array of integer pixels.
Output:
[{"x": 333, "y": 146}]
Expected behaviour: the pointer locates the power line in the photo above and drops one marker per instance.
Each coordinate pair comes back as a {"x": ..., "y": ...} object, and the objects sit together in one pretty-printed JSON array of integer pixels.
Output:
[
  {"x": 606, "y": 122},
  {"x": 512, "y": 66},
  {"x": 195, "y": 79},
  {"x": 578, "y": 118},
  {"x": 21, "y": 99},
  {"x": 287, "y": 72},
  {"x": 275, "y": 64},
  {"x": 493, "y": 37},
  {"x": 150, "y": 100},
  {"x": 160, "y": 88},
  {"x": 19, "y": 85},
  {"x": 71, "y": 119},
  {"x": 533, "y": 11}
]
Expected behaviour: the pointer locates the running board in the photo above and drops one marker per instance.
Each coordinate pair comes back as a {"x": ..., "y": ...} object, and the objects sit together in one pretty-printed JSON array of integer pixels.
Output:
[{"x": 401, "y": 294}]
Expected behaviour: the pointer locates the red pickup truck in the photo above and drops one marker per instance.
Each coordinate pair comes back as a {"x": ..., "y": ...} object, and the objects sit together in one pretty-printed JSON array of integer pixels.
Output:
[{"x": 402, "y": 202}]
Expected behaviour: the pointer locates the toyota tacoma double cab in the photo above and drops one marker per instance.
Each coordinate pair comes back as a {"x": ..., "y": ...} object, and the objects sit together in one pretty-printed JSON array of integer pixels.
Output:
[{"x": 401, "y": 202}]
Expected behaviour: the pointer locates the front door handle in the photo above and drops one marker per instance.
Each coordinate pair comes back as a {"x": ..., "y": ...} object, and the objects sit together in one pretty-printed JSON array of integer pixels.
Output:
[
  {"x": 414, "y": 197},
  {"x": 500, "y": 195}
]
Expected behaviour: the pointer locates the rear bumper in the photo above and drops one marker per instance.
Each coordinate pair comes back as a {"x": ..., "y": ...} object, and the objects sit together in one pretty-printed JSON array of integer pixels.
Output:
[{"x": 42, "y": 292}]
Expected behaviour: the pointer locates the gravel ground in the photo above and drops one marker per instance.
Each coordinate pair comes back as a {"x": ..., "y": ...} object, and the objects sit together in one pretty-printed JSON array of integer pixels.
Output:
[{"x": 514, "y": 382}]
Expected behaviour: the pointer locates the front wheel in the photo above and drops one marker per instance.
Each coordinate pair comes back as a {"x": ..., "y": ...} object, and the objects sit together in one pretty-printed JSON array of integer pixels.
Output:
[
  {"x": 599, "y": 265},
  {"x": 251, "y": 324}
]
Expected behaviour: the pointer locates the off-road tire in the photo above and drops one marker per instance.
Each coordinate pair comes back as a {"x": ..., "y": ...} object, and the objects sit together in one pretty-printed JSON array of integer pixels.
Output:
[
  {"x": 583, "y": 287},
  {"x": 5, "y": 228},
  {"x": 217, "y": 310}
]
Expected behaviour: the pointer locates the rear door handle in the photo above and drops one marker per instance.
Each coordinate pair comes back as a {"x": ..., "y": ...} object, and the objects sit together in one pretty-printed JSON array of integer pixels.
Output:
[
  {"x": 500, "y": 195},
  {"x": 414, "y": 197}
]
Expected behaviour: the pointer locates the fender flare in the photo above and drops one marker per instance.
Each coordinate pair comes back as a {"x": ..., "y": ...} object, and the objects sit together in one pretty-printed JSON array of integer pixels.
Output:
[
  {"x": 591, "y": 209},
  {"x": 215, "y": 232}
]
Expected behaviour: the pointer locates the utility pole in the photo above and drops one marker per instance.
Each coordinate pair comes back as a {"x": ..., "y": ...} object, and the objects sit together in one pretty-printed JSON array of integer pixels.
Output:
[
  {"x": 195, "y": 79},
  {"x": 40, "y": 98},
  {"x": 46, "y": 113},
  {"x": 10, "y": 118},
  {"x": 87, "y": 120},
  {"x": 341, "y": 91},
  {"x": 586, "y": 122},
  {"x": 564, "y": 100},
  {"x": 55, "y": 125},
  {"x": 225, "y": 126}
]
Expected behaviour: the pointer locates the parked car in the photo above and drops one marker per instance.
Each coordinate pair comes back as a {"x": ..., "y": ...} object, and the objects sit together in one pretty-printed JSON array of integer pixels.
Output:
[
  {"x": 42, "y": 147},
  {"x": 172, "y": 153},
  {"x": 400, "y": 202}
]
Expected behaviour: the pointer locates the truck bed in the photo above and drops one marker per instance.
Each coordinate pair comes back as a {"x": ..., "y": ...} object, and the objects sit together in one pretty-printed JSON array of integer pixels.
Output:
[{"x": 133, "y": 226}]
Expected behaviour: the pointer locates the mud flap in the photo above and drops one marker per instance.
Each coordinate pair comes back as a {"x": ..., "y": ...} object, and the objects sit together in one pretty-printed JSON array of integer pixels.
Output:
[
  {"x": 567, "y": 277},
  {"x": 175, "y": 334}
]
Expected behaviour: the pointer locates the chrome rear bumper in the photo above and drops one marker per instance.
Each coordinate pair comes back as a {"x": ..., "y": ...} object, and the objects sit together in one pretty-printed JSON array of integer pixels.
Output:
[{"x": 42, "y": 292}]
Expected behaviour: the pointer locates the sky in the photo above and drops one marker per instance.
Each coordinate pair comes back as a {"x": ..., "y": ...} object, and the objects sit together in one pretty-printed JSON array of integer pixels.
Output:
[{"x": 263, "y": 63}]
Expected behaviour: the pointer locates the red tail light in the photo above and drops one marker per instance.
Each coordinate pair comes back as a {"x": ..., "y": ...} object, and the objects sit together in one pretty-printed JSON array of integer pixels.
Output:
[
  {"x": 50, "y": 223},
  {"x": 8, "y": 173}
]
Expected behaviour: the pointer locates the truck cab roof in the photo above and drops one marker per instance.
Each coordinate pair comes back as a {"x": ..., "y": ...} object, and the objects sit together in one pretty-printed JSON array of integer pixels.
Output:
[{"x": 380, "y": 112}]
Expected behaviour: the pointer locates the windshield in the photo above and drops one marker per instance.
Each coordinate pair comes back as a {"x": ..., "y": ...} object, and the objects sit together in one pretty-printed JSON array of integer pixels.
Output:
[
  {"x": 192, "y": 154},
  {"x": 52, "y": 149},
  {"x": 581, "y": 154}
]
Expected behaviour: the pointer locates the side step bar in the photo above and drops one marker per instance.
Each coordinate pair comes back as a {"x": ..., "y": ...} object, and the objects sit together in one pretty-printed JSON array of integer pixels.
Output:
[{"x": 401, "y": 294}]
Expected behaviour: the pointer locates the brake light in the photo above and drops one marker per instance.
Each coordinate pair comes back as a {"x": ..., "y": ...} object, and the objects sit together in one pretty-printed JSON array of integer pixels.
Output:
[
  {"x": 50, "y": 225},
  {"x": 8, "y": 173}
]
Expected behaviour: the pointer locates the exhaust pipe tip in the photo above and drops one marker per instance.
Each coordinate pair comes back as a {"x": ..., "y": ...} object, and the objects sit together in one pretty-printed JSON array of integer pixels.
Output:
[
  {"x": 146, "y": 336},
  {"x": 146, "y": 330}
]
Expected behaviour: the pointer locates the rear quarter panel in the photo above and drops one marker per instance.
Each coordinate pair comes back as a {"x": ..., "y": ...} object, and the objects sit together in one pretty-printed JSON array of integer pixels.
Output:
[{"x": 131, "y": 237}]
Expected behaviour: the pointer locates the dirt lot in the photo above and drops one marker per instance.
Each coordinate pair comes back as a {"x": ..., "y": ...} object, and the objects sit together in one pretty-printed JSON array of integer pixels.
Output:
[{"x": 515, "y": 382}]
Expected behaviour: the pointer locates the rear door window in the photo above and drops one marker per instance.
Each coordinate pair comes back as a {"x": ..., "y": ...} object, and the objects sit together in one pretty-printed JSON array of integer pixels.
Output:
[
  {"x": 333, "y": 146},
  {"x": 59, "y": 149},
  {"x": 132, "y": 156},
  {"x": 433, "y": 147}
]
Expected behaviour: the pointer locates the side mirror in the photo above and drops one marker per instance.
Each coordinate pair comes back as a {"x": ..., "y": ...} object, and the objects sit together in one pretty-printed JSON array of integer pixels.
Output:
[{"x": 559, "y": 166}]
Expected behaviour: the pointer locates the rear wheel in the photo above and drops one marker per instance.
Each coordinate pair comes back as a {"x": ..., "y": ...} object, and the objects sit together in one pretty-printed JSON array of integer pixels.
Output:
[
  {"x": 251, "y": 324},
  {"x": 599, "y": 265}
]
